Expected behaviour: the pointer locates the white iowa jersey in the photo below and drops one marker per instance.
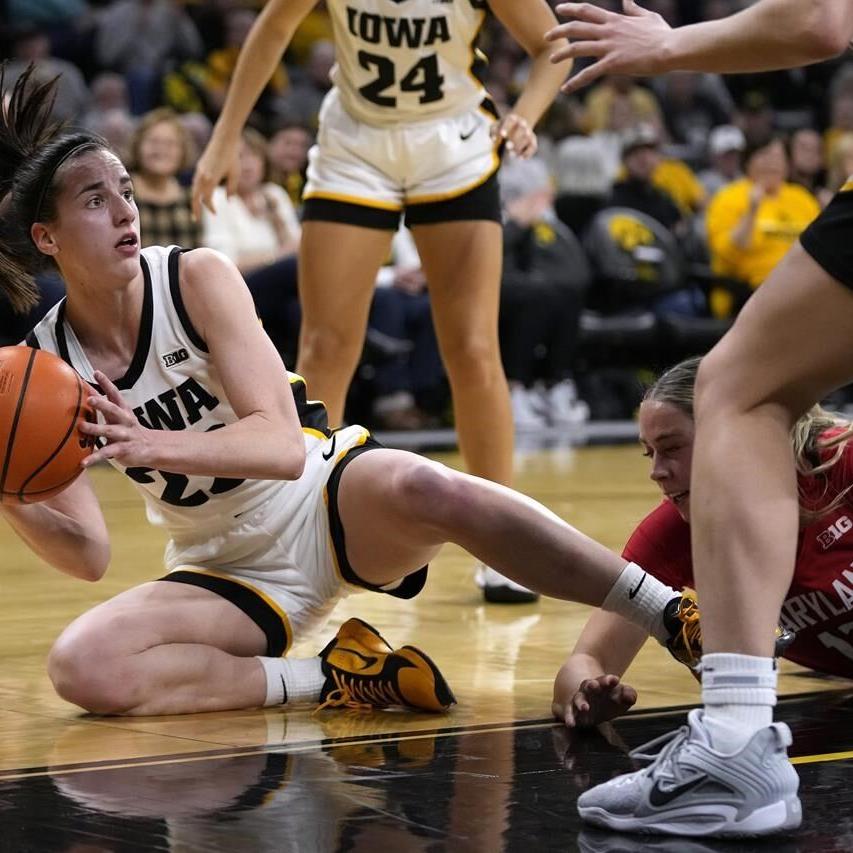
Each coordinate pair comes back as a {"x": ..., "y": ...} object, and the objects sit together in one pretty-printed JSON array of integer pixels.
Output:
[
  {"x": 173, "y": 384},
  {"x": 407, "y": 60}
]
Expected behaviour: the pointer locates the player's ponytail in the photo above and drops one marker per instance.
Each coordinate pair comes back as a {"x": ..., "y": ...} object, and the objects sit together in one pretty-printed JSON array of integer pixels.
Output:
[{"x": 33, "y": 147}]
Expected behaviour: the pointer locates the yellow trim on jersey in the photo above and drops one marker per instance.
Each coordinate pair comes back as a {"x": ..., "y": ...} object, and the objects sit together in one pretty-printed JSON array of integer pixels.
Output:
[
  {"x": 354, "y": 199},
  {"x": 315, "y": 432},
  {"x": 285, "y": 621},
  {"x": 426, "y": 199},
  {"x": 295, "y": 378},
  {"x": 848, "y": 185}
]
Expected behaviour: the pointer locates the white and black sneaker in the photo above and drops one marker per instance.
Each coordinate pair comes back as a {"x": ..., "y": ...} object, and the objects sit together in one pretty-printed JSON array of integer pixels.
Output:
[
  {"x": 691, "y": 789},
  {"x": 498, "y": 589}
]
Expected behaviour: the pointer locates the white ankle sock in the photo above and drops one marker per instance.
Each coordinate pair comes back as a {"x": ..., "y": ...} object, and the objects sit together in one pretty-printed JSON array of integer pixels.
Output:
[
  {"x": 641, "y": 599},
  {"x": 739, "y": 692},
  {"x": 290, "y": 681}
]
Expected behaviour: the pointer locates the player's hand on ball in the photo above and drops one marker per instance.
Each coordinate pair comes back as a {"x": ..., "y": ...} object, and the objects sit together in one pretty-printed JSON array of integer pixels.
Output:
[
  {"x": 127, "y": 441},
  {"x": 598, "y": 700},
  {"x": 517, "y": 134}
]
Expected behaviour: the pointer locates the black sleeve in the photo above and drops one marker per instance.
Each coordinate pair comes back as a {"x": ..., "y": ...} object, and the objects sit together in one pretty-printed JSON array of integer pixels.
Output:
[{"x": 829, "y": 239}]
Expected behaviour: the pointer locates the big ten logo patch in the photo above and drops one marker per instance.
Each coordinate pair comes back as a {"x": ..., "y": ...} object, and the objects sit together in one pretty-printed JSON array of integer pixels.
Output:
[
  {"x": 176, "y": 357},
  {"x": 834, "y": 532}
]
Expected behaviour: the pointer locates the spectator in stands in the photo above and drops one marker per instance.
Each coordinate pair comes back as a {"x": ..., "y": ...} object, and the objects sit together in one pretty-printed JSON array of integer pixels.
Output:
[
  {"x": 160, "y": 150},
  {"x": 640, "y": 157},
  {"x": 109, "y": 93},
  {"x": 257, "y": 225},
  {"x": 840, "y": 162},
  {"x": 117, "y": 127},
  {"x": 31, "y": 45},
  {"x": 805, "y": 154},
  {"x": 691, "y": 104},
  {"x": 301, "y": 104},
  {"x": 583, "y": 182},
  {"x": 288, "y": 153},
  {"x": 752, "y": 222},
  {"x": 644, "y": 105},
  {"x": 726, "y": 145},
  {"x": 137, "y": 38},
  {"x": 545, "y": 277},
  {"x": 756, "y": 118},
  {"x": 409, "y": 378}
]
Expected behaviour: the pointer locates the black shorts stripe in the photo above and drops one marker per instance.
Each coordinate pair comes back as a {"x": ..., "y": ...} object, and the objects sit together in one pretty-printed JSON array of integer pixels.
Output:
[
  {"x": 250, "y": 602},
  {"x": 348, "y": 213},
  {"x": 412, "y": 584},
  {"x": 481, "y": 202}
]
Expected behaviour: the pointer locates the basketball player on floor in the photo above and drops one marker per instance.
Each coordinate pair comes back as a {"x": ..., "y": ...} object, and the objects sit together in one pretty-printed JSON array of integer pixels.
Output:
[
  {"x": 728, "y": 772},
  {"x": 407, "y": 129},
  {"x": 272, "y": 518}
]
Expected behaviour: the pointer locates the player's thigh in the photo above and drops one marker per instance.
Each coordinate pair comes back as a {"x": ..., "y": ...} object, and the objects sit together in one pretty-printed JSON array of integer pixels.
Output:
[
  {"x": 163, "y": 612},
  {"x": 338, "y": 263},
  {"x": 462, "y": 262},
  {"x": 390, "y": 504},
  {"x": 791, "y": 344}
]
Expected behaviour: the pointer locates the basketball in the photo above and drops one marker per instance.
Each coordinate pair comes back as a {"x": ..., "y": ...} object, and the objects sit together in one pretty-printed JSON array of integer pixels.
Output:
[{"x": 42, "y": 403}]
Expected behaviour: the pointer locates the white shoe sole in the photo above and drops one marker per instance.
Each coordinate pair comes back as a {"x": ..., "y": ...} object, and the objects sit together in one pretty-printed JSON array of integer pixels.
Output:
[{"x": 705, "y": 821}]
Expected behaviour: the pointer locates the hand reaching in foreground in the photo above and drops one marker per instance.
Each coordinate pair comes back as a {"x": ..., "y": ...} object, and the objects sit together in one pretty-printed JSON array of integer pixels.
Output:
[{"x": 596, "y": 701}]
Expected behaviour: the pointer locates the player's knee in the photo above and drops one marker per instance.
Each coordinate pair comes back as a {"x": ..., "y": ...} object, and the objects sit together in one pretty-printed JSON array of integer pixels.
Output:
[
  {"x": 85, "y": 674},
  {"x": 718, "y": 391},
  {"x": 329, "y": 346},
  {"x": 431, "y": 492},
  {"x": 475, "y": 361}
]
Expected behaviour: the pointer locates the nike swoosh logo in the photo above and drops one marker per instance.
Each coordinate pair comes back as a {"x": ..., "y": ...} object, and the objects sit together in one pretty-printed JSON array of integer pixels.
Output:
[
  {"x": 659, "y": 797},
  {"x": 636, "y": 589},
  {"x": 464, "y": 136},
  {"x": 331, "y": 452}
]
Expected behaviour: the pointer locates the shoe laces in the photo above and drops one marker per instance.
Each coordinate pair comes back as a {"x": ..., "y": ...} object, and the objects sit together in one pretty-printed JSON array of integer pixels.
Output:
[
  {"x": 360, "y": 695},
  {"x": 659, "y": 753},
  {"x": 691, "y": 631}
]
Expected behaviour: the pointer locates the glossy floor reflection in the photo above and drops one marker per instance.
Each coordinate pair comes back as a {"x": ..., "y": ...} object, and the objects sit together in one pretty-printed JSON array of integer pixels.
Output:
[{"x": 487, "y": 788}]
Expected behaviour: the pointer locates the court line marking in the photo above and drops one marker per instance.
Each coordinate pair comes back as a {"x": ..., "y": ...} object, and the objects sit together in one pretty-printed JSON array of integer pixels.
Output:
[
  {"x": 825, "y": 756},
  {"x": 333, "y": 743}
]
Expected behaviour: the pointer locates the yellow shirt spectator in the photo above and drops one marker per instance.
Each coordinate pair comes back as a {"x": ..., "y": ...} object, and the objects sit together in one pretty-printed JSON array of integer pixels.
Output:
[
  {"x": 752, "y": 222},
  {"x": 679, "y": 181}
]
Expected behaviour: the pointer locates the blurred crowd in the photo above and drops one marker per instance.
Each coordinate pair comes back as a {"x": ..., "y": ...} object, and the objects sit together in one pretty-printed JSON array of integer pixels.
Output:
[{"x": 650, "y": 214}]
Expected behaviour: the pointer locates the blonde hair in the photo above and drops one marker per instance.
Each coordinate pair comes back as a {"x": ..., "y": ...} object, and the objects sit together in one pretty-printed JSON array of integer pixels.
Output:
[{"x": 814, "y": 454}]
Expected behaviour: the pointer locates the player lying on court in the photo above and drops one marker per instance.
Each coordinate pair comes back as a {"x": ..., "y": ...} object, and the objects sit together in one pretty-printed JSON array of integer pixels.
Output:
[
  {"x": 818, "y": 605},
  {"x": 271, "y": 517}
]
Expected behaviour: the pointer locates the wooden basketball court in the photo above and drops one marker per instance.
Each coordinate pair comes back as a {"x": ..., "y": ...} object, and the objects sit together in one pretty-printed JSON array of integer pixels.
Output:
[{"x": 495, "y": 773}]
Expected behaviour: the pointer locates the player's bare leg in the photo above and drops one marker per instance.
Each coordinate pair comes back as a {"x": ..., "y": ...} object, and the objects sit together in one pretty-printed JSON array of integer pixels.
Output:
[
  {"x": 338, "y": 264},
  {"x": 462, "y": 262}
]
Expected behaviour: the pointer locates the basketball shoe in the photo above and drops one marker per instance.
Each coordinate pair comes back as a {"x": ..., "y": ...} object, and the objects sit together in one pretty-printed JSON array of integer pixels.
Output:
[
  {"x": 681, "y": 618},
  {"x": 690, "y": 789},
  {"x": 499, "y": 589},
  {"x": 363, "y": 672}
]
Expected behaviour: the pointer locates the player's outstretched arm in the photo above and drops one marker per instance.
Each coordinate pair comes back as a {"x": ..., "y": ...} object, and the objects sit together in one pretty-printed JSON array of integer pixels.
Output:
[
  {"x": 527, "y": 23},
  {"x": 588, "y": 689},
  {"x": 67, "y": 531},
  {"x": 259, "y": 56},
  {"x": 265, "y": 442},
  {"x": 767, "y": 36}
]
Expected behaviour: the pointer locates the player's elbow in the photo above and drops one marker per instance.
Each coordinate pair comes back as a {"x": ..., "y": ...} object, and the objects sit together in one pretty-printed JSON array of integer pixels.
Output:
[{"x": 826, "y": 28}]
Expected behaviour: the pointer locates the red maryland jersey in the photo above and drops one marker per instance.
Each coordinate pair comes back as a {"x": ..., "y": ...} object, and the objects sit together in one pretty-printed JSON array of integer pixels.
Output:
[{"x": 819, "y": 603}]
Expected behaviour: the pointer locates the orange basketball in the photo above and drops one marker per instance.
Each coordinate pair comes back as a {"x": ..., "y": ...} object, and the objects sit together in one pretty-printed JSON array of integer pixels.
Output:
[{"x": 42, "y": 403}]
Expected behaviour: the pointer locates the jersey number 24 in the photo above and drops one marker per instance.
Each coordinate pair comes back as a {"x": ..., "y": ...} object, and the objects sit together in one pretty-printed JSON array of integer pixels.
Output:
[{"x": 423, "y": 77}]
